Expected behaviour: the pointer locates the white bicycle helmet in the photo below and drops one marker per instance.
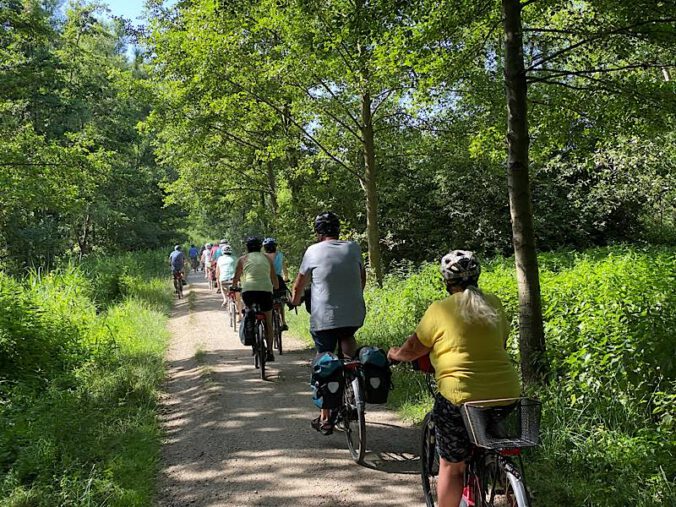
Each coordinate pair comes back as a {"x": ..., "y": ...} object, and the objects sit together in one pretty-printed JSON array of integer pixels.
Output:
[
  {"x": 226, "y": 249},
  {"x": 460, "y": 266}
]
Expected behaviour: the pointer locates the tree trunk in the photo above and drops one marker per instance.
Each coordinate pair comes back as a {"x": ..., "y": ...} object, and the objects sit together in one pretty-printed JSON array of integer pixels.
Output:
[
  {"x": 272, "y": 183},
  {"x": 371, "y": 189},
  {"x": 532, "y": 341}
]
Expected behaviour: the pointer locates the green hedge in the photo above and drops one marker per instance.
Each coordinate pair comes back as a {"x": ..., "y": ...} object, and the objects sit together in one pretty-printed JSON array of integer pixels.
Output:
[{"x": 81, "y": 356}]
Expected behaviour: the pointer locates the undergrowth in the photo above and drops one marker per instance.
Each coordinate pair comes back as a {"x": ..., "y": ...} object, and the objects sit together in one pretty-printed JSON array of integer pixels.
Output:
[
  {"x": 81, "y": 353},
  {"x": 608, "y": 409}
]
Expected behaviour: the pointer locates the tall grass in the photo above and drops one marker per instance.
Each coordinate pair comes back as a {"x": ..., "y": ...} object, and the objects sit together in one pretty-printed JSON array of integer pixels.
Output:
[
  {"x": 608, "y": 412},
  {"x": 80, "y": 360}
]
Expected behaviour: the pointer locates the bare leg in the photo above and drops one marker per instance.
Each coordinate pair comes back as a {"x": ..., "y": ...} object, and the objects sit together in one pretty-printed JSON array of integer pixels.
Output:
[
  {"x": 268, "y": 330},
  {"x": 449, "y": 487}
]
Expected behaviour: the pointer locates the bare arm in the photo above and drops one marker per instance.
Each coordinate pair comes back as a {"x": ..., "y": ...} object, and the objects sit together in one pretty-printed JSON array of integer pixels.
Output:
[
  {"x": 362, "y": 271},
  {"x": 273, "y": 275},
  {"x": 298, "y": 288},
  {"x": 238, "y": 272},
  {"x": 410, "y": 350}
]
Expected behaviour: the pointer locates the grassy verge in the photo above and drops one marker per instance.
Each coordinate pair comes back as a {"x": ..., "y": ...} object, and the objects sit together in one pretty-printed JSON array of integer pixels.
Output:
[
  {"x": 608, "y": 411},
  {"x": 82, "y": 356}
]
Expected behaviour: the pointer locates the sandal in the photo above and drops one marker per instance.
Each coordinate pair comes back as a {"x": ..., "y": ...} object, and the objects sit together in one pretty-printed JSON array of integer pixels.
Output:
[{"x": 323, "y": 427}]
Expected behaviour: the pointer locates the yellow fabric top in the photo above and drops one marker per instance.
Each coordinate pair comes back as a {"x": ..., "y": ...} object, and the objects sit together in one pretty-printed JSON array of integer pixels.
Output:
[
  {"x": 469, "y": 358},
  {"x": 256, "y": 273}
]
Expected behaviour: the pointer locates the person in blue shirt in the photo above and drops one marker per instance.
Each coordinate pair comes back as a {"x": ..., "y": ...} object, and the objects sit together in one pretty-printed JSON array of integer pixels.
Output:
[
  {"x": 277, "y": 258},
  {"x": 193, "y": 254},
  {"x": 176, "y": 261}
]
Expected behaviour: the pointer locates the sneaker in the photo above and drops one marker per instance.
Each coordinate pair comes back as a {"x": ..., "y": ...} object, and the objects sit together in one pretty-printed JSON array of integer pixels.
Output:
[
  {"x": 284, "y": 327},
  {"x": 270, "y": 357}
]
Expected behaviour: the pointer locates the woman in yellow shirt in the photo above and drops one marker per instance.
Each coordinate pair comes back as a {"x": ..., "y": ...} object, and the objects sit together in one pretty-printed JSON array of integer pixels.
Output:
[{"x": 465, "y": 335}]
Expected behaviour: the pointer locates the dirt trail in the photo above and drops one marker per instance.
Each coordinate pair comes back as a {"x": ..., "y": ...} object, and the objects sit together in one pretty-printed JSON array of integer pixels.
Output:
[{"x": 232, "y": 439}]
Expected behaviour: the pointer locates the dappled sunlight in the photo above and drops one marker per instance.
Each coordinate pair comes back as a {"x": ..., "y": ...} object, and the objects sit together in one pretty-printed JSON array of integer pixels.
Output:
[{"x": 232, "y": 439}]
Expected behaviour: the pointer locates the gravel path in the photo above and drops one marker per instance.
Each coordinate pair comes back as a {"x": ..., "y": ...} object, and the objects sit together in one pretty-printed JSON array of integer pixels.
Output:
[{"x": 232, "y": 439}]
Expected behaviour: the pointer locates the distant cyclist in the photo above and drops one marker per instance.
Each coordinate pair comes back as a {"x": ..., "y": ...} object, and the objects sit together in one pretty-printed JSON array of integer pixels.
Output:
[
  {"x": 278, "y": 261},
  {"x": 206, "y": 260},
  {"x": 176, "y": 261},
  {"x": 258, "y": 280},
  {"x": 192, "y": 254},
  {"x": 337, "y": 301},
  {"x": 225, "y": 271},
  {"x": 465, "y": 334}
]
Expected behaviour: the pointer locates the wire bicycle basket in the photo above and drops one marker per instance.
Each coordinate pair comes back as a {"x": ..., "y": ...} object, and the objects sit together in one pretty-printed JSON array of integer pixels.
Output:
[{"x": 503, "y": 424}]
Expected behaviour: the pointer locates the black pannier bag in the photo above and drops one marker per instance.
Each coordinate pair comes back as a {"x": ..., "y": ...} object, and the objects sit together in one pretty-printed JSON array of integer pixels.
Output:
[
  {"x": 247, "y": 328},
  {"x": 327, "y": 381},
  {"x": 377, "y": 374}
]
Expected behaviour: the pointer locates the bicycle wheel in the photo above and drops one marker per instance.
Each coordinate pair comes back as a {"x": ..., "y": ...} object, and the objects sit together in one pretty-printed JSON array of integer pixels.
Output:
[
  {"x": 277, "y": 327},
  {"x": 501, "y": 483},
  {"x": 233, "y": 315},
  {"x": 354, "y": 419},
  {"x": 261, "y": 350},
  {"x": 429, "y": 462}
]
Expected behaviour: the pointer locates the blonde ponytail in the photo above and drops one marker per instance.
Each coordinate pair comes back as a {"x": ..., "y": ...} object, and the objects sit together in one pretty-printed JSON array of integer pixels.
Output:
[{"x": 474, "y": 307}]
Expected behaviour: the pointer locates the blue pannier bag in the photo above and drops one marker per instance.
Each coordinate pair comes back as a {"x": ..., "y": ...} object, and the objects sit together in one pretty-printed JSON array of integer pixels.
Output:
[
  {"x": 327, "y": 381},
  {"x": 377, "y": 374}
]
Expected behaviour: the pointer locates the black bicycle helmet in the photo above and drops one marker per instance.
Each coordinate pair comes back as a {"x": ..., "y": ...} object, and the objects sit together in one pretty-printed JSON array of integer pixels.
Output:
[
  {"x": 327, "y": 224},
  {"x": 270, "y": 244},
  {"x": 253, "y": 244}
]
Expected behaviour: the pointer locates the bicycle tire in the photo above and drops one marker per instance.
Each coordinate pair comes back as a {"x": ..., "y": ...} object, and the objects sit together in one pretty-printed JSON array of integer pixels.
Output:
[
  {"x": 353, "y": 404},
  {"x": 260, "y": 348},
  {"x": 233, "y": 315},
  {"x": 277, "y": 327},
  {"x": 429, "y": 462},
  {"x": 502, "y": 485}
]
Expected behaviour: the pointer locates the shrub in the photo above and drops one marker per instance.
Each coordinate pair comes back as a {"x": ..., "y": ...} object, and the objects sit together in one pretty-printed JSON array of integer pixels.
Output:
[{"x": 78, "y": 383}]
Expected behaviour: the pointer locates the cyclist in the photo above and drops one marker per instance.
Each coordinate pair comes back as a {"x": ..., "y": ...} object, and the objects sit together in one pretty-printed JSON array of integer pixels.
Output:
[
  {"x": 258, "y": 278},
  {"x": 215, "y": 254},
  {"x": 176, "y": 261},
  {"x": 206, "y": 260},
  {"x": 337, "y": 300},
  {"x": 465, "y": 334},
  {"x": 225, "y": 271},
  {"x": 278, "y": 261},
  {"x": 192, "y": 253}
]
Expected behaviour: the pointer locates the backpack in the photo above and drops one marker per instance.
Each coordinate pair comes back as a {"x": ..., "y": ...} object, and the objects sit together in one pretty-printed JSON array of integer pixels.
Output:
[
  {"x": 327, "y": 381},
  {"x": 247, "y": 328},
  {"x": 377, "y": 374}
]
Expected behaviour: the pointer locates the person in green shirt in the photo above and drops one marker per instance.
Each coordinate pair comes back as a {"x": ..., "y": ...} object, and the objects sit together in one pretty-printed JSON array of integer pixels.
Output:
[
  {"x": 256, "y": 275},
  {"x": 465, "y": 335}
]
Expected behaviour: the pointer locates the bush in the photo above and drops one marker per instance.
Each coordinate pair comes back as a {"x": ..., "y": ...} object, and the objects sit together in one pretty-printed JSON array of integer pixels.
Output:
[{"x": 78, "y": 379}]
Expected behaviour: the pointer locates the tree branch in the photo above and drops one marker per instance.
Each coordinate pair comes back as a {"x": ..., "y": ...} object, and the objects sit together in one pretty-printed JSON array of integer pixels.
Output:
[
  {"x": 304, "y": 131},
  {"x": 593, "y": 38}
]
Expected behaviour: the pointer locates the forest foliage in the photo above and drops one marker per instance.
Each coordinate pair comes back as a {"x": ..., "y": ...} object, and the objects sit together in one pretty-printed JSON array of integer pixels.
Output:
[
  {"x": 246, "y": 117},
  {"x": 77, "y": 173}
]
